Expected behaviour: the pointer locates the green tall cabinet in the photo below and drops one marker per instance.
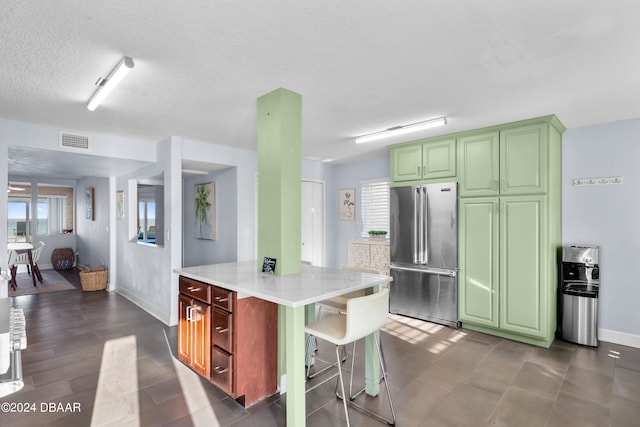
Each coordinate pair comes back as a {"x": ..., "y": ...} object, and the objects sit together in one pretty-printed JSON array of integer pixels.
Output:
[
  {"x": 509, "y": 220},
  {"x": 510, "y": 229}
]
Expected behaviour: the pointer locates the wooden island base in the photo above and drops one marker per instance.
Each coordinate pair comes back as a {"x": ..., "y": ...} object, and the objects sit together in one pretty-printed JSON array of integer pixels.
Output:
[{"x": 231, "y": 341}]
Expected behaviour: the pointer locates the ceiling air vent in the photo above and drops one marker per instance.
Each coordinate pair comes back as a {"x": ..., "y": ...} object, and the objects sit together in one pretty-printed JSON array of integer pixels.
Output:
[{"x": 71, "y": 140}]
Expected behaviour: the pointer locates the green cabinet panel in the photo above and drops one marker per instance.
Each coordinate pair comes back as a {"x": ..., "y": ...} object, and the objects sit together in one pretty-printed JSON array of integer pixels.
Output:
[
  {"x": 508, "y": 255},
  {"x": 523, "y": 160},
  {"x": 424, "y": 160},
  {"x": 505, "y": 162},
  {"x": 478, "y": 159},
  {"x": 406, "y": 163},
  {"x": 478, "y": 258},
  {"x": 523, "y": 286},
  {"x": 439, "y": 159}
]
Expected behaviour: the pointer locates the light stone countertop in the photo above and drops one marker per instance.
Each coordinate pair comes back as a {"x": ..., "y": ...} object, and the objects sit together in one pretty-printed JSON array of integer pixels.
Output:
[{"x": 311, "y": 285}]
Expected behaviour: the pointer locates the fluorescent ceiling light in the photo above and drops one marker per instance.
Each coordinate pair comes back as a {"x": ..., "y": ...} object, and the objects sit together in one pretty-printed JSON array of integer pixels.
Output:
[
  {"x": 401, "y": 130},
  {"x": 105, "y": 86},
  {"x": 194, "y": 172}
]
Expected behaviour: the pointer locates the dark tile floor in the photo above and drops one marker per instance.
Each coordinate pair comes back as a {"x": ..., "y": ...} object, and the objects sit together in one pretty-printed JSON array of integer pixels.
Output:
[{"x": 96, "y": 359}]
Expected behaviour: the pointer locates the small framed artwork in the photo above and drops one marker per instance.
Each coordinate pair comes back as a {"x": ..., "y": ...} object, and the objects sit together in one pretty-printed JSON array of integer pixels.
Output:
[
  {"x": 120, "y": 204},
  {"x": 347, "y": 204},
  {"x": 269, "y": 265},
  {"x": 205, "y": 209},
  {"x": 89, "y": 204}
]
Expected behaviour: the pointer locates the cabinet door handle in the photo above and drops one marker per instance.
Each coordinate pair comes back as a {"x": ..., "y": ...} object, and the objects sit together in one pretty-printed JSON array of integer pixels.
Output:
[
  {"x": 220, "y": 370},
  {"x": 494, "y": 184},
  {"x": 418, "y": 170},
  {"x": 189, "y": 318},
  {"x": 221, "y": 330},
  {"x": 220, "y": 299},
  {"x": 503, "y": 182}
]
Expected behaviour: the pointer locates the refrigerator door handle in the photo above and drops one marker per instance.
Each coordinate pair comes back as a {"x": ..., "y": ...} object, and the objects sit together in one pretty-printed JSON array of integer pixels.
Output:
[
  {"x": 425, "y": 226},
  {"x": 417, "y": 244},
  {"x": 450, "y": 273}
]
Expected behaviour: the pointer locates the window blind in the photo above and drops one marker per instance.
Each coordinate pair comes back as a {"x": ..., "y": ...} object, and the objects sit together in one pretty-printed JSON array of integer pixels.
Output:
[{"x": 375, "y": 204}]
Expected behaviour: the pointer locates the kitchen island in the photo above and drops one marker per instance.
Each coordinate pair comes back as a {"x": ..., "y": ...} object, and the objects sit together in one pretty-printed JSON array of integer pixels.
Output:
[{"x": 293, "y": 292}]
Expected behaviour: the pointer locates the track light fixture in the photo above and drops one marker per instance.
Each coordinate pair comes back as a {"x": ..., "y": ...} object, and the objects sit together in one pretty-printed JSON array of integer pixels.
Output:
[
  {"x": 400, "y": 130},
  {"x": 106, "y": 85}
]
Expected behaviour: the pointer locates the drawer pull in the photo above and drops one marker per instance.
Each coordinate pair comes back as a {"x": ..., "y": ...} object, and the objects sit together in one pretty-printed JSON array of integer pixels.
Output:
[
  {"x": 221, "y": 330},
  {"x": 220, "y": 299},
  {"x": 194, "y": 289},
  {"x": 220, "y": 370}
]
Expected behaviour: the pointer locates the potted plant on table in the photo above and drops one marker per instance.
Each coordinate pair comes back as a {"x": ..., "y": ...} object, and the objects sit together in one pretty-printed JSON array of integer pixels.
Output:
[{"x": 377, "y": 234}]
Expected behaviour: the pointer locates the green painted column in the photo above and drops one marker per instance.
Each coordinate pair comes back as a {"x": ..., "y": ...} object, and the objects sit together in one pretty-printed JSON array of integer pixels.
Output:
[
  {"x": 279, "y": 179},
  {"x": 279, "y": 227}
]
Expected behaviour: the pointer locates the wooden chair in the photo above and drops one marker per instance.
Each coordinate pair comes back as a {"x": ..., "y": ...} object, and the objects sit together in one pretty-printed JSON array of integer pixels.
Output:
[
  {"x": 22, "y": 258},
  {"x": 13, "y": 256},
  {"x": 35, "y": 256}
]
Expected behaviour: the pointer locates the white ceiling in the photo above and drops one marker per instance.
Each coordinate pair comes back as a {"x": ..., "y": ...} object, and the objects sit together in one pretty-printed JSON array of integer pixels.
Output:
[{"x": 360, "y": 66}]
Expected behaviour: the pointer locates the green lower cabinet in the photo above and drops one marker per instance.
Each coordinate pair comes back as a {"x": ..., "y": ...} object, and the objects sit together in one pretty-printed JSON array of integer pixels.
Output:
[
  {"x": 523, "y": 288},
  {"x": 478, "y": 258},
  {"x": 504, "y": 285}
]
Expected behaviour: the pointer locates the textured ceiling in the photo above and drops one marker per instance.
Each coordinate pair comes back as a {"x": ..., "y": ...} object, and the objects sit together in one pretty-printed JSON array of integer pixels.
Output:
[{"x": 360, "y": 66}]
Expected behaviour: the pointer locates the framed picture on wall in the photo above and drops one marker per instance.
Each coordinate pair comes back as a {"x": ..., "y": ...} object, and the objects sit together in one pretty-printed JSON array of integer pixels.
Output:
[
  {"x": 120, "y": 204},
  {"x": 205, "y": 208},
  {"x": 347, "y": 204},
  {"x": 89, "y": 204}
]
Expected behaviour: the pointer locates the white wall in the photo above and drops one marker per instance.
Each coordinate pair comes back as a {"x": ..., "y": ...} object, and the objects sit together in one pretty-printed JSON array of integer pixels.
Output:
[
  {"x": 92, "y": 237},
  {"x": 224, "y": 247},
  {"x": 246, "y": 164},
  {"x": 607, "y": 216},
  {"x": 348, "y": 175},
  {"x": 144, "y": 272},
  {"x": 22, "y": 134}
]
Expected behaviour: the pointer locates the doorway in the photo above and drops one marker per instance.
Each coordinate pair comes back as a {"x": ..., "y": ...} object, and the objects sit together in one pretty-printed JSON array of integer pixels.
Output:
[{"x": 313, "y": 223}]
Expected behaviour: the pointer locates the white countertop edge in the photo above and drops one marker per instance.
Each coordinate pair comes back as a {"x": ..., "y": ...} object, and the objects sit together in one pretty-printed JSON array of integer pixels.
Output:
[{"x": 318, "y": 283}]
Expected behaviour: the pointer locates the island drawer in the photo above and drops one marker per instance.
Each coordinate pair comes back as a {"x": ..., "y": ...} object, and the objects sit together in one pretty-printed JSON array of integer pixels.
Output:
[
  {"x": 222, "y": 369},
  {"x": 194, "y": 289},
  {"x": 222, "y": 332},
  {"x": 222, "y": 298}
]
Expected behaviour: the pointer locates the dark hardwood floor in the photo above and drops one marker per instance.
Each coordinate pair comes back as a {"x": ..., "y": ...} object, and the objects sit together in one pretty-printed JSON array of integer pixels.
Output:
[{"x": 95, "y": 358}]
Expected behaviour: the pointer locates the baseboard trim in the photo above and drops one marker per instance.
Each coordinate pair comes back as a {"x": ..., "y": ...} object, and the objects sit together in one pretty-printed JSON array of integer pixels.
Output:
[
  {"x": 621, "y": 338},
  {"x": 146, "y": 307}
]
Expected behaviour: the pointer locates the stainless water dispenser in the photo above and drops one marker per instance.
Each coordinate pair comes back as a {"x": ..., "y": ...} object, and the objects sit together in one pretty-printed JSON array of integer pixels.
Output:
[{"x": 579, "y": 294}]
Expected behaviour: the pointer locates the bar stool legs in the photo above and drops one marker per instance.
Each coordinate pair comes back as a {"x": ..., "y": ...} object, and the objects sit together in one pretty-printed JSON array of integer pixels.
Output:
[{"x": 351, "y": 400}]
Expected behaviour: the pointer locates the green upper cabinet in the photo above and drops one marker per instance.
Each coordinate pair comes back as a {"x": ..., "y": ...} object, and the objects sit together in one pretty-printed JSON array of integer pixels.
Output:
[
  {"x": 506, "y": 162},
  {"x": 424, "y": 160},
  {"x": 478, "y": 156},
  {"x": 523, "y": 155},
  {"x": 439, "y": 159},
  {"x": 406, "y": 163}
]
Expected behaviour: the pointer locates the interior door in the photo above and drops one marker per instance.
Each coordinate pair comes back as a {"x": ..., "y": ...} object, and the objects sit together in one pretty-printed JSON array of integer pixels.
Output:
[{"x": 312, "y": 222}]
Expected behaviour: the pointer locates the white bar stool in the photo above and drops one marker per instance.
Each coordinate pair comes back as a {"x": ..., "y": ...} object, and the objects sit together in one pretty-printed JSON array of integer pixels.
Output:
[
  {"x": 336, "y": 304},
  {"x": 363, "y": 316}
]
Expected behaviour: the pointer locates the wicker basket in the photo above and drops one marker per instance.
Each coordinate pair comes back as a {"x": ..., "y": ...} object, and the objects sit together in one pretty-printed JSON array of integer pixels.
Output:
[
  {"x": 94, "y": 280},
  {"x": 62, "y": 258}
]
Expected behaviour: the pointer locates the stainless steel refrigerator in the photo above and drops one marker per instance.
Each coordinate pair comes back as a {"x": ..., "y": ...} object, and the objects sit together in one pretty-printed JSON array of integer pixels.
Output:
[{"x": 424, "y": 252}]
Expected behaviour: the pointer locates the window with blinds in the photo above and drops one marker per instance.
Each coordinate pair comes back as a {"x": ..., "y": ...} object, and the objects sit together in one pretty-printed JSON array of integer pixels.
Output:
[{"x": 375, "y": 210}]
